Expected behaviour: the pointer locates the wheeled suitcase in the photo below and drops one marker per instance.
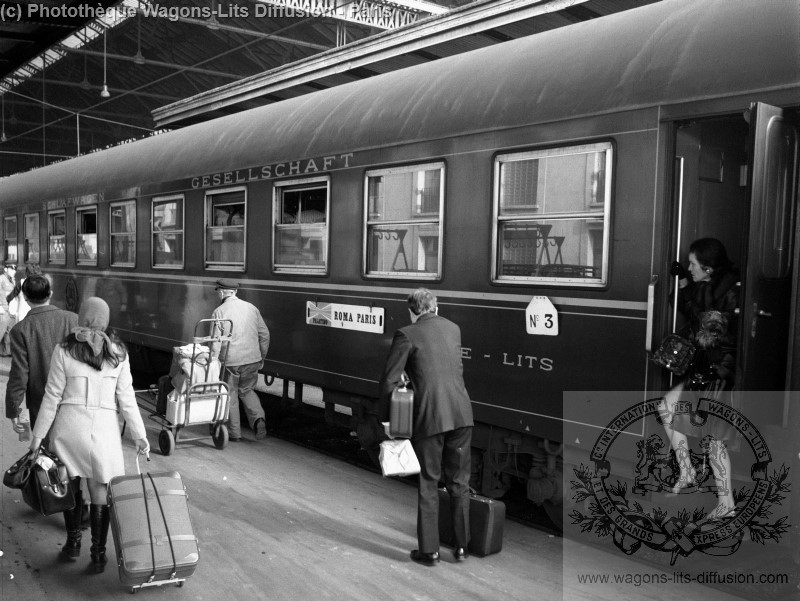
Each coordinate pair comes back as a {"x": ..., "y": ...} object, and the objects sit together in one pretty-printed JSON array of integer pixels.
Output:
[
  {"x": 401, "y": 412},
  {"x": 486, "y": 519},
  {"x": 152, "y": 530}
]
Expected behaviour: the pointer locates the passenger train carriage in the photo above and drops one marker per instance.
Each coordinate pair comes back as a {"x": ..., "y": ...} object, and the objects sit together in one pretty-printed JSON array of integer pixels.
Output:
[{"x": 540, "y": 187}]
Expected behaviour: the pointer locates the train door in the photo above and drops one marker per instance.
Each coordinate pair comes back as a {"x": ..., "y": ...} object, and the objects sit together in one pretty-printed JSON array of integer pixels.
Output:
[
  {"x": 767, "y": 285},
  {"x": 737, "y": 181}
]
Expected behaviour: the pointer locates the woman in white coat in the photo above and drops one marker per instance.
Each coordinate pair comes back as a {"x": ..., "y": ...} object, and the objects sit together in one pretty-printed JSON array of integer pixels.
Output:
[{"x": 89, "y": 381}]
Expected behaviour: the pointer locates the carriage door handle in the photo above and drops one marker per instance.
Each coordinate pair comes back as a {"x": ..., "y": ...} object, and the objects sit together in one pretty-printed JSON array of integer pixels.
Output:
[{"x": 756, "y": 314}]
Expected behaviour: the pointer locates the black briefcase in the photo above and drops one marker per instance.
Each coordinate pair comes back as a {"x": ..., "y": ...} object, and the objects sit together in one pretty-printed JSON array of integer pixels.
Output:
[{"x": 486, "y": 520}]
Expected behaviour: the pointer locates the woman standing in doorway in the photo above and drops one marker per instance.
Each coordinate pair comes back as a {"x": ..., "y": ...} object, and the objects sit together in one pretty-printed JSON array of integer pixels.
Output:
[{"x": 709, "y": 303}]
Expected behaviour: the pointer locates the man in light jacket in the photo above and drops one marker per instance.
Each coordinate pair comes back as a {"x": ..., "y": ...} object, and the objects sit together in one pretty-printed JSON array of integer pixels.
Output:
[{"x": 248, "y": 348}]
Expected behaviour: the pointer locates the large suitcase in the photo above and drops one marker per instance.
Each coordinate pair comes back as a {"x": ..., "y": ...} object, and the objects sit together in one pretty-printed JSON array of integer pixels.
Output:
[
  {"x": 152, "y": 530},
  {"x": 486, "y": 519},
  {"x": 401, "y": 412}
]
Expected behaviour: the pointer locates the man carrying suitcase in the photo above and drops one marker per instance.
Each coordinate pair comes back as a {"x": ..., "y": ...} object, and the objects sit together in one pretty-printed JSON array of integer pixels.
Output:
[{"x": 429, "y": 351}]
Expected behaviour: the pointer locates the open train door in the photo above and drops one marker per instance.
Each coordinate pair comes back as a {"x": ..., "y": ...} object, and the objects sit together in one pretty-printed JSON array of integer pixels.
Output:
[{"x": 767, "y": 276}]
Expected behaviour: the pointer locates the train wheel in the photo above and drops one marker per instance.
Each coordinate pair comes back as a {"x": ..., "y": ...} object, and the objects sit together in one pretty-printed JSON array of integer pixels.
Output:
[
  {"x": 220, "y": 436},
  {"x": 555, "y": 513},
  {"x": 166, "y": 442}
]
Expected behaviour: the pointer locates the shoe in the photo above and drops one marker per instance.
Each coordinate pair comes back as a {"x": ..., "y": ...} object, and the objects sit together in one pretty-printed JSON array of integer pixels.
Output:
[
  {"x": 72, "y": 521},
  {"x": 460, "y": 553},
  {"x": 721, "y": 513},
  {"x": 261, "y": 429},
  {"x": 686, "y": 480},
  {"x": 426, "y": 559},
  {"x": 100, "y": 519},
  {"x": 235, "y": 439}
]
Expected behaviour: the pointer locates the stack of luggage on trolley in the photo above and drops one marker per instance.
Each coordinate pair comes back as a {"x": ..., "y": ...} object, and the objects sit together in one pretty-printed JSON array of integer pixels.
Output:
[{"x": 194, "y": 393}]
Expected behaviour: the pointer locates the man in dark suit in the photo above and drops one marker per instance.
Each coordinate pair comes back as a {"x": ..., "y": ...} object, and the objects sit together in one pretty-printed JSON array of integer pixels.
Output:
[
  {"x": 32, "y": 342},
  {"x": 429, "y": 351}
]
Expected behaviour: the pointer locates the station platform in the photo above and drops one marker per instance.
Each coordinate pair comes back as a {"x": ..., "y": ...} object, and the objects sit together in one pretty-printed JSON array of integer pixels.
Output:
[{"x": 279, "y": 521}]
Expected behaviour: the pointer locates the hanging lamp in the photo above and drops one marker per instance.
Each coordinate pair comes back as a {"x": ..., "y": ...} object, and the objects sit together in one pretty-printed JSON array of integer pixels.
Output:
[
  {"x": 3, "y": 135},
  {"x": 104, "y": 93},
  {"x": 138, "y": 59}
]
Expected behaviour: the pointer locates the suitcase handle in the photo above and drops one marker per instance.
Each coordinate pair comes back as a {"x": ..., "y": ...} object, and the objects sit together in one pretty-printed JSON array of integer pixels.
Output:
[{"x": 138, "y": 470}]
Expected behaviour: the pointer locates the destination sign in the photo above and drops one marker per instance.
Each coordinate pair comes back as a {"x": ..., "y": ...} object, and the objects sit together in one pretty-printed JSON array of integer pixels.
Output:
[{"x": 348, "y": 317}]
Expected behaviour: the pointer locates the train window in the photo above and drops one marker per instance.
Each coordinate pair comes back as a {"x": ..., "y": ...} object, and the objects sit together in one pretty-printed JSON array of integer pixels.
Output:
[
  {"x": 86, "y": 235},
  {"x": 551, "y": 216},
  {"x": 225, "y": 229},
  {"x": 123, "y": 233},
  {"x": 56, "y": 234},
  {"x": 300, "y": 241},
  {"x": 30, "y": 241},
  {"x": 403, "y": 234},
  {"x": 167, "y": 223},
  {"x": 10, "y": 239}
]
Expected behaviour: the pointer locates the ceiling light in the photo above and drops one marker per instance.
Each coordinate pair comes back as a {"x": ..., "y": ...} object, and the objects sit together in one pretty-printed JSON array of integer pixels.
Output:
[
  {"x": 138, "y": 59},
  {"x": 104, "y": 93},
  {"x": 3, "y": 135}
]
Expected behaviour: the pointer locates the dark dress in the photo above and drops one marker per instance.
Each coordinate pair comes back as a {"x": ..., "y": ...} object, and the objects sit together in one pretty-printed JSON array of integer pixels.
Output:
[{"x": 713, "y": 371}]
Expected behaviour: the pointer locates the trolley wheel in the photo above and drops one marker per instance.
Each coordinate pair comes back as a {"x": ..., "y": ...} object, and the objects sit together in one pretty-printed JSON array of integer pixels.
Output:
[
  {"x": 134, "y": 590},
  {"x": 220, "y": 436},
  {"x": 180, "y": 584},
  {"x": 166, "y": 442}
]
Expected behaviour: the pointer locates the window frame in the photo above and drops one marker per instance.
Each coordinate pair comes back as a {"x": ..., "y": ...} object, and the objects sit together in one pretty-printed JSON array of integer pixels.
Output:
[
  {"x": 50, "y": 236},
  {"x": 604, "y": 217},
  {"x": 37, "y": 238},
  {"x": 278, "y": 189},
  {"x": 423, "y": 219},
  {"x": 79, "y": 212},
  {"x": 7, "y": 219},
  {"x": 112, "y": 234},
  {"x": 224, "y": 265},
  {"x": 182, "y": 231}
]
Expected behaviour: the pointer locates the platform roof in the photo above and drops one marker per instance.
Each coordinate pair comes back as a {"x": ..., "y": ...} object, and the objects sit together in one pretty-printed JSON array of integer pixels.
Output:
[{"x": 171, "y": 64}]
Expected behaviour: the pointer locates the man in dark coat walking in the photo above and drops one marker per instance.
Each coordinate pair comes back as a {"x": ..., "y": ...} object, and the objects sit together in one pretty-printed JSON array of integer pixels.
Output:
[
  {"x": 32, "y": 343},
  {"x": 429, "y": 351}
]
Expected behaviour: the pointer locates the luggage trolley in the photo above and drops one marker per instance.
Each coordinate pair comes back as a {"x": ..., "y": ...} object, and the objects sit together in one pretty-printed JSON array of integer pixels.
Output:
[{"x": 202, "y": 397}]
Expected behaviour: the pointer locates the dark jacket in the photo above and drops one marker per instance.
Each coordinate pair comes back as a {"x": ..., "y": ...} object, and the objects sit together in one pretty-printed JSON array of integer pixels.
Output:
[
  {"x": 721, "y": 293},
  {"x": 32, "y": 343},
  {"x": 429, "y": 351}
]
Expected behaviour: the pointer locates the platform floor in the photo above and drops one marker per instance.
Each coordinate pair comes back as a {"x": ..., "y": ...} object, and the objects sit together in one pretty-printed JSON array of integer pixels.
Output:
[{"x": 278, "y": 521}]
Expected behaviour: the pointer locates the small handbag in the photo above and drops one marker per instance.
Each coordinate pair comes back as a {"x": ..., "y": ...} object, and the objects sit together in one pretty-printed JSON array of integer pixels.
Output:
[
  {"x": 17, "y": 475},
  {"x": 675, "y": 353},
  {"x": 398, "y": 458},
  {"x": 47, "y": 490}
]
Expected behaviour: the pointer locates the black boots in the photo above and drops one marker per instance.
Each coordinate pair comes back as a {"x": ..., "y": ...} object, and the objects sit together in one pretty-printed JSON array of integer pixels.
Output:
[
  {"x": 72, "y": 522},
  {"x": 99, "y": 518}
]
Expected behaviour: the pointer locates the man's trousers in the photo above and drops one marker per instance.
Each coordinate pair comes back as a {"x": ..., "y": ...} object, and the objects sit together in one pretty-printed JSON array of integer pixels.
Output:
[{"x": 448, "y": 452}]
